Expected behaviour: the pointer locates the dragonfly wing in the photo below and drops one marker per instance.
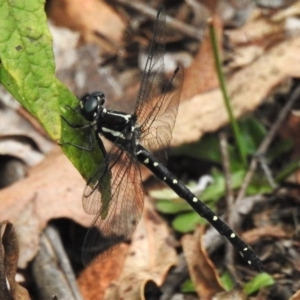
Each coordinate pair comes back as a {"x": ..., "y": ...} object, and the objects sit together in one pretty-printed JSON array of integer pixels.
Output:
[
  {"x": 156, "y": 114},
  {"x": 97, "y": 192},
  {"x": 157, "y": 128},
  {"x": 116, "y": 220},
  {"x": 149, "y": 88}
]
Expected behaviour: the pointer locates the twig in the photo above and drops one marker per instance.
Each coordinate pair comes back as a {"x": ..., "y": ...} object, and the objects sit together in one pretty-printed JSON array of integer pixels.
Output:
[
  {"x": 232, "y": 215},
  {"x": 171, "y": 22},
  {"x": 267, "y": 141},
  {"x": 226, "y": 168},
  {"x": 267, "y": 171},
  {"x": 55, "y": 276}
]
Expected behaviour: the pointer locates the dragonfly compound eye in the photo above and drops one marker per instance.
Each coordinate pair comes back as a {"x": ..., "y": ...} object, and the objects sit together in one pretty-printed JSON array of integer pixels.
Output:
[
  {"x": 90, "y": 107},
  {"x": 100, "y": 97}
]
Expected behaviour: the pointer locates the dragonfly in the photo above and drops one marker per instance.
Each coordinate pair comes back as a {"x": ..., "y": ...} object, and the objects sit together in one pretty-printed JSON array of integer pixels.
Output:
[{"x": 118, "y": 206}]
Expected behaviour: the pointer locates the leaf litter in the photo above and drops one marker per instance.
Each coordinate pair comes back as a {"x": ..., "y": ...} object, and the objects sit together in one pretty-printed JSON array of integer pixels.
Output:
[{"x": 249, "y": 84}]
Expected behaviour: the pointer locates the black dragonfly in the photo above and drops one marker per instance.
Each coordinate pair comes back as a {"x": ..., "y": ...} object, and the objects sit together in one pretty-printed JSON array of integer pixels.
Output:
[{"x": 118, "y": 205}]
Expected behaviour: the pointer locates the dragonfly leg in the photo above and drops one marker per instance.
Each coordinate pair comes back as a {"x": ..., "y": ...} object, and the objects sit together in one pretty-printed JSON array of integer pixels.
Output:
[
  {"x": 80, "y": 126},
  {"x": 76, "y": 126}
]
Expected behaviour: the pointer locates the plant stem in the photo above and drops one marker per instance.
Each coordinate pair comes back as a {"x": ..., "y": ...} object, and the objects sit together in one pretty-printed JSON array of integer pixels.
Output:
[{"x": 233, "y": 122}]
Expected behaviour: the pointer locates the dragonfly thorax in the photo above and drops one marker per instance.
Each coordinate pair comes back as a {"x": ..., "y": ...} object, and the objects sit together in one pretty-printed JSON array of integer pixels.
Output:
[
  {"x": 118, "y": 126},
  {"x": 114, "y": 125}
]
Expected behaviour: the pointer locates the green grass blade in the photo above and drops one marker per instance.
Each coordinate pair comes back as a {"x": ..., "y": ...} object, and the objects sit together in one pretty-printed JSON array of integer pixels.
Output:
[{"x": 235, "y": 128}]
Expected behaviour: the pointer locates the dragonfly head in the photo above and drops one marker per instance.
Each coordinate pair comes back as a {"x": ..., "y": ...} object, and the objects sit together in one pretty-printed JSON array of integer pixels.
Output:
[{"x": 91, "y": 105}]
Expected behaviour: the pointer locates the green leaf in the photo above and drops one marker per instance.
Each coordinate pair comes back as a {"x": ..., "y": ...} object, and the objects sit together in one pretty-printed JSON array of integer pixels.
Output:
[
  {"x": 258, "y": 282},
  {"x": 211, "y": 194},
  {"x": 172, "y": 207},
  {"x": 227, "y": 281},
  {"x": 217, "y": 189},
  {"x": 207, "y": 149},
  {"x": 253, "y": 133},
  {"x": 259, "y": 185},
  {"x": 188, "y": 286},
  {"x": 27, "y": 71},
  {"x": 186, "y": 222},
  {"x": 26, "y": 60},
  {"x": 164, "y": 194}
]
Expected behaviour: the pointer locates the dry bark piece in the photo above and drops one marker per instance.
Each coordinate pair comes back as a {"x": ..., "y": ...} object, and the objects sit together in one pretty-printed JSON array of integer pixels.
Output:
[{"x": 56, "y": 276}]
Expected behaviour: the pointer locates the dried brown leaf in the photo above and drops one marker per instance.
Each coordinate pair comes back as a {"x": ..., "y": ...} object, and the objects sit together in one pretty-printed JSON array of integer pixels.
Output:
[
  {"x": 150, "y": 257},
  {"x": 106, "y": 272},
  {"x": 202, "y": 271},
  {"x": 92, "y": 18},
  {"x": 10, "y": 244},
  {"x": 52, "y": 190},
  {"x": 16, "y": 139},
  {"x": 3, "y": 286},
  {"x": 260, "y": 31},
  {"x": 8, "y": 264},
  {"x": 248, "y": 87},
  {"x": 201, "y": 75},
  {"x": 296, "y": 296},
  {"x": 257, "y": 234}
]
